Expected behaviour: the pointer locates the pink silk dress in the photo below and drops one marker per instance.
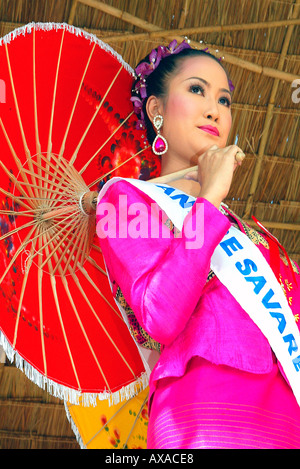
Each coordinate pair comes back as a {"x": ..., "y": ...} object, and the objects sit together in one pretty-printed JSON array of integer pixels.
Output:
[{"x": 217, "y": 383}]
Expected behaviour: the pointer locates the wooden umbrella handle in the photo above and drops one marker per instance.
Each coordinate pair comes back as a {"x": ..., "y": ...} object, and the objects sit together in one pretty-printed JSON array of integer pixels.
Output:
[
  {"x": 180, "y": 174},
  {"x": 88, "y": 202}
]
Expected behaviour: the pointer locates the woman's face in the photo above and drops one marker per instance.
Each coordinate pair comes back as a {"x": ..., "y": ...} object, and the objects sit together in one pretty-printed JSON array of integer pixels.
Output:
[{"x": 197, "y": 111}]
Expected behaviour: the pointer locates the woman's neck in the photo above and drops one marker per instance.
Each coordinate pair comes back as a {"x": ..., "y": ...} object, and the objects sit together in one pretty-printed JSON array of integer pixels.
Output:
[
  {"x": 172, "y": 165},
  {"x": 188, "y": 186}
]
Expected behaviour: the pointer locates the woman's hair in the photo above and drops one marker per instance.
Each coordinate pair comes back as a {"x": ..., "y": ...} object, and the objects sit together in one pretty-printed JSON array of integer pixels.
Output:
[{"x": 157, "y": 82}]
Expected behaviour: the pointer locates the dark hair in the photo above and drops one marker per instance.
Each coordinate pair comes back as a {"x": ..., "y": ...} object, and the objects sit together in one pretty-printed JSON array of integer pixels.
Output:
[{"x": 157, "y": 81}]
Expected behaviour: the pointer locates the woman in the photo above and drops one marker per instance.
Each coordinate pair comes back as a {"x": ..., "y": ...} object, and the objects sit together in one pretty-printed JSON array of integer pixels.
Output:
[{"x": 217, "y": 382}]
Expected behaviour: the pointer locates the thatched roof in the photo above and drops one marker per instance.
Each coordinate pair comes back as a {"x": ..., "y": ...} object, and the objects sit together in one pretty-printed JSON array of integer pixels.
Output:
[
  {"x": 29, "y": 417},
  {"x": 259, "y": 40}
]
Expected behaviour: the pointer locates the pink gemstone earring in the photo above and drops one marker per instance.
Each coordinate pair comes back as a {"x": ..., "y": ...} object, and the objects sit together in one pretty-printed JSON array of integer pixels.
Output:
[{"x": 160, "y": 144}]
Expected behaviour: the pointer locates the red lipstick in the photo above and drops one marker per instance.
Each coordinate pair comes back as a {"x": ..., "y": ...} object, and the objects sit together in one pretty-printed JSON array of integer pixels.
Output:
[{"x": 210, "y": 129}]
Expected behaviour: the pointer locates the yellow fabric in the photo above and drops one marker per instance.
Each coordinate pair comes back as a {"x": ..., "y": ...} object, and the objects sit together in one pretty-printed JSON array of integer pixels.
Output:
[{"x": 108, "y": 427}]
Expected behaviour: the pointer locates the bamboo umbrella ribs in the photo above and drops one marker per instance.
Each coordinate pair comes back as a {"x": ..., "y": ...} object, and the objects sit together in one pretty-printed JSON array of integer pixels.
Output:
[{"x": 67, "y": 114}]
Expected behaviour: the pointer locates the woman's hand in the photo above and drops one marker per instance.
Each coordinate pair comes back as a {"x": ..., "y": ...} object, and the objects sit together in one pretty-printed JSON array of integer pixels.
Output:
[{"x": 215, "y": 172}]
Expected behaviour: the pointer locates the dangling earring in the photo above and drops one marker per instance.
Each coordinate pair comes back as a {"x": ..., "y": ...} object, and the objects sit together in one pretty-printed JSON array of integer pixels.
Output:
[{"x": 160, "y": 144}]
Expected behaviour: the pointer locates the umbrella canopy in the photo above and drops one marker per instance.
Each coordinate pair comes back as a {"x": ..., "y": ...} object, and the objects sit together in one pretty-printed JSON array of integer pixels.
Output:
[
  {"x": 119, "y": 426},
  {"x": 66, "y": 121}
]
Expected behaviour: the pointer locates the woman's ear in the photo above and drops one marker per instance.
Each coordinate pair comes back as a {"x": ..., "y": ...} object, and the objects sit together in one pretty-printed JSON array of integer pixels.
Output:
[{"x": 153, "y": 107}]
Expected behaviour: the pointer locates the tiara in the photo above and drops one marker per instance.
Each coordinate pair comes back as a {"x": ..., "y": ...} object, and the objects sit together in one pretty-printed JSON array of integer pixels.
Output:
[{"x": 144, "y": 69}]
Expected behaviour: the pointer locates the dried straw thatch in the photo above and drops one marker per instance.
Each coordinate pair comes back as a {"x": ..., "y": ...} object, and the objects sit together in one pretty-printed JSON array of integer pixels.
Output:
[{"x": 259, "y": 40}]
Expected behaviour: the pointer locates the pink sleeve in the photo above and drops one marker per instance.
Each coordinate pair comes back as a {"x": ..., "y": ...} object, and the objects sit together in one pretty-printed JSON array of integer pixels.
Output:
[{"x": 160, "y": 278}]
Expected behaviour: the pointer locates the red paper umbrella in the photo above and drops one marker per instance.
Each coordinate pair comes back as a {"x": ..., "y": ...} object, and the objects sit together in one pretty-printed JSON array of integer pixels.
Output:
[{"x": 66, "y": 121}]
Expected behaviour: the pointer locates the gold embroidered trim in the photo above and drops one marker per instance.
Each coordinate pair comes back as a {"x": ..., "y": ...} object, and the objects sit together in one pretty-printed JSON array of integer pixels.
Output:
[
  {"x": 252, "y": 234},
  {"x": 295, "y": 269},
  {"x": 257, "y": 238},
  {"x": 139, "y": 334}
]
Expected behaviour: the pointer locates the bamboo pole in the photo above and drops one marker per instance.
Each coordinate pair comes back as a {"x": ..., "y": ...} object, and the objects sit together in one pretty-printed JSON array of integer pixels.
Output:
[
  {"x": 183, "y": 14},
  {"x": 30, "y": 402},
  {"x": 202, "y": 30},
  {"x": 245, "y": 64},
  {"x": 275, "y": 225},
  {"x": 29, "y": 436},
  {"x": 122, "y": 15},
  {"x": 72, "y": 12},
  {"x": 266, "y": 71}
]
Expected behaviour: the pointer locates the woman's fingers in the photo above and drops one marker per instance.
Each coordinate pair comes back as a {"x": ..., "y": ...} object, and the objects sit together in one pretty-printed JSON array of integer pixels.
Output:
[
  {"x": 240, "y": 155},
  {"x": 232, "y": 150}
]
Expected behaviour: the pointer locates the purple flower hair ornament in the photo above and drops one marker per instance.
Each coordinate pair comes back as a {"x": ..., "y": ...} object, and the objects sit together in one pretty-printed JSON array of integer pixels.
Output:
[
  {"x": 138, "y": 109},
  {"x": 144, "y": 69},
  {"x": 231, "y": 86}
]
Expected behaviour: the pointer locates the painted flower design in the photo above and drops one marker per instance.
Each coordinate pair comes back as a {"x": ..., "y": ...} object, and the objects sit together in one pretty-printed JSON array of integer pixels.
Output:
[{"x": 144, "y": 413}]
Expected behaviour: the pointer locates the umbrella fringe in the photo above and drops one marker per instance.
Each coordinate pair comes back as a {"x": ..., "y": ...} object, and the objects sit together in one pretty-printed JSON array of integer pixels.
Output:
[
  {"x": 67, "y": 27},
  {"x": 74, "y": 428},
  {"x": 129, "y": 391},
  {"x": 56, "y": 390},
  {"x": 68, "y": 394}
]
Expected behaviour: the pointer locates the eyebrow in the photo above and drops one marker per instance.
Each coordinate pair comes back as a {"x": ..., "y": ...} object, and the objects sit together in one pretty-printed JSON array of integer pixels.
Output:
[{"x": 208, "y": 84}]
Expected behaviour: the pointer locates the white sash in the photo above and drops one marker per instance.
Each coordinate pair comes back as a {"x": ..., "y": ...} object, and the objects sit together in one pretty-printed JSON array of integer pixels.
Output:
[{"x": 242, "y": 268}]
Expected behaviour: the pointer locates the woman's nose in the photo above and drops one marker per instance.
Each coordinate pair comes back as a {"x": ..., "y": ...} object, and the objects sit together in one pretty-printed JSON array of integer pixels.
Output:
[{"x": 212, "y": 111}]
